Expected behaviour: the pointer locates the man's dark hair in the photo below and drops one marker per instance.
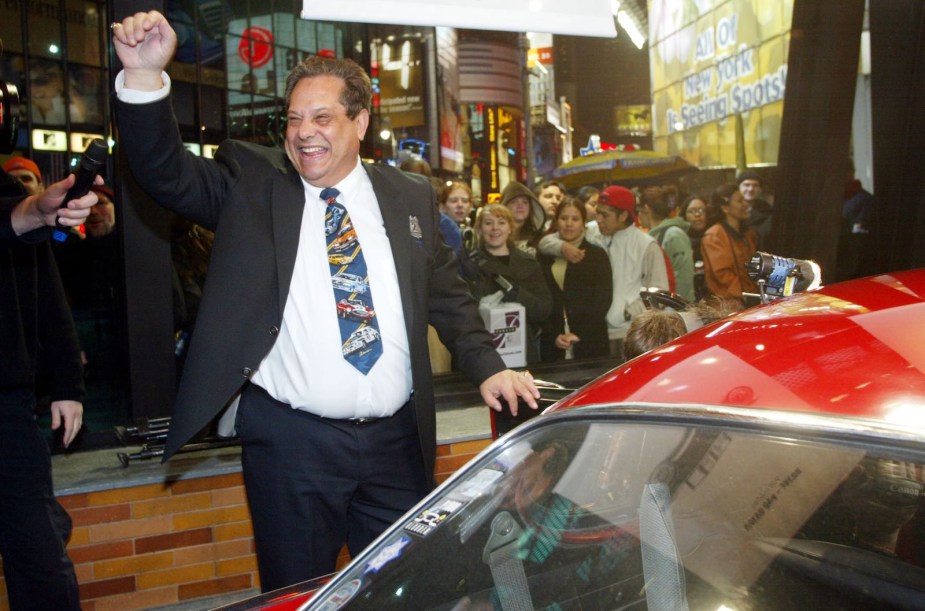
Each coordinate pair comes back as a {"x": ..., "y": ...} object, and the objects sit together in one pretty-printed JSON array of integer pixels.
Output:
[
  {"x": 721, "y": 194},
  {"x": 549, "y": 183},
  {"x": 657, "y": 200},
  {"x": 357, "y": 93},
  {"x": 570, "y": 201},
  {"x": 587, "y": 192},
  {"x": 416, "y": 165}
]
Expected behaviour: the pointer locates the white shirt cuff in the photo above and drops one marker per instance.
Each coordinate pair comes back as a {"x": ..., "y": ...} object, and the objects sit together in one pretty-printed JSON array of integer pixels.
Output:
[{"x": 135, "y": 96}]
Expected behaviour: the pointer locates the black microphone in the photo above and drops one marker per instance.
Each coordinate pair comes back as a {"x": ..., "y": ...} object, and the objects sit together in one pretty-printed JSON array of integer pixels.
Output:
[{"x": 91, "y": 163}]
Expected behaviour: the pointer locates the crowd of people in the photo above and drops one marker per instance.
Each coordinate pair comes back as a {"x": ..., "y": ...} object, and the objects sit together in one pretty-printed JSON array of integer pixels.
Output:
[{"x": 577, "y": 261}]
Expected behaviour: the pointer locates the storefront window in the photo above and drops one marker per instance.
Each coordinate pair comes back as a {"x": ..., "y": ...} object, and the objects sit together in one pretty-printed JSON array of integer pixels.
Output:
[
  {"x": 85, "y": 27},
  {"x": 86, "y": 91}
]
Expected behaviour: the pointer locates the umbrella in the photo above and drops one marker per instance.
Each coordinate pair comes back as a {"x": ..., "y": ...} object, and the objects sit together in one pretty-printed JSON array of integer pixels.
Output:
[{"x": 626, "y": 168}]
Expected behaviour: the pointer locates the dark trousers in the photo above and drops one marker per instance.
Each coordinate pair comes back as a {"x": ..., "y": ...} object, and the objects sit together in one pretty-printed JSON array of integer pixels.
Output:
[
  {"x": 316, "y": 483},
  {"x": 33, "y": 526}
]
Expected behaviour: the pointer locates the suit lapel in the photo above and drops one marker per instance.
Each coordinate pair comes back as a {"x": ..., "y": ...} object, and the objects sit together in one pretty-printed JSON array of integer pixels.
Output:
[
  {"x": 287, "y": 203},
  {"x": 396, "y": 218}
]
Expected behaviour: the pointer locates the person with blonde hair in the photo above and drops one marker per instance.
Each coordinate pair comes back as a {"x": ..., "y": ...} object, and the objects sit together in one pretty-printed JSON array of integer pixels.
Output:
[{"x": 515, "y": 273}]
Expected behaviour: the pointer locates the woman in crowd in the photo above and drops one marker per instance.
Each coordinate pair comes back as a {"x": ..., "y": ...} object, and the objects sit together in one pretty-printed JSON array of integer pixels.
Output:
[
  {"x": 694, "y": 211},
  {"x": 457, "y": 204},
  {"x": 588, "y": 195},
  {"x": 728, "y": 245},
  {"x": 581, "y": 292},
  {"x": 655, "y": 208},
  {"x": 528, "y": 213},
  {"x": 509, "y": 270}
]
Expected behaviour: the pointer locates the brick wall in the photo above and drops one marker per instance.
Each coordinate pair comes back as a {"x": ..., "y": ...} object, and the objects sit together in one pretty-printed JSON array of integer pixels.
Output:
[{"x": 160, "y": 544}]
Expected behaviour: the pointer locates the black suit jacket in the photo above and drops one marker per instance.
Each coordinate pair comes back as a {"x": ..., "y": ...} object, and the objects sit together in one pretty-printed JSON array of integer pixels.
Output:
[{"x": 253, "y": 198}]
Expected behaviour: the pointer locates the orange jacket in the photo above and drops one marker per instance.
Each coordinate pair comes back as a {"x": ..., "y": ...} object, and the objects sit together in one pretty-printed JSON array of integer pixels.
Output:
[{"x": 725, "y": 253}]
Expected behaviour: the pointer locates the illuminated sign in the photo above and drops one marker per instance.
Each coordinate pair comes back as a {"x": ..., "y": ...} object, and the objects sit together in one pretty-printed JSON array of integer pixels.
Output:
[
  {"x": 711, "y": 64},
  {"x": 80, "y": 141},
  {"x": 193, "y": 147},
  {"x": 492, "y": 149},
  {"x": 576, "y": 17},
  {"x": 634, "y": 120},
  {"x": 256, "y": 47},
  {"x": 542, "y": 56},
  {"x": 49, "y": 140},
  {"x": 208, "y": 150},
  {"x": 401, "y": 81},
  {"x": 261, "y": 50}
]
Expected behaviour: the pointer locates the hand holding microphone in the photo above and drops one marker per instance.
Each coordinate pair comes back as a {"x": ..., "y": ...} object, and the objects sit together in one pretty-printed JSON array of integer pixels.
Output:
[{"x": 91, "y": 163}]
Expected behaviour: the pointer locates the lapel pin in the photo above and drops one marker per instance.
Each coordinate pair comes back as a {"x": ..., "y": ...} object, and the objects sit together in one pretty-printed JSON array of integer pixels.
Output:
[{"x": 415, "y": 227}]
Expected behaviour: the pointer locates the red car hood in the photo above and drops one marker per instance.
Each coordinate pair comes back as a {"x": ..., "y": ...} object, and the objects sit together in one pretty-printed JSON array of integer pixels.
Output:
[{"x": 854, "y": 348}]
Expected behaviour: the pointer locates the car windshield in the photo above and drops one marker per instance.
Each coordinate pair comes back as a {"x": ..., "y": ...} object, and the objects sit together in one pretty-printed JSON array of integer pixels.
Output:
[{"x": 601, "y": 514}]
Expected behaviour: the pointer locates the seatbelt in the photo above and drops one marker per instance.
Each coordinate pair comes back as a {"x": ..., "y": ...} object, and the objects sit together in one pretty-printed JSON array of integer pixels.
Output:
[
  {"x": 507, "y": 569},
  {"x": 661, "y": 562}
]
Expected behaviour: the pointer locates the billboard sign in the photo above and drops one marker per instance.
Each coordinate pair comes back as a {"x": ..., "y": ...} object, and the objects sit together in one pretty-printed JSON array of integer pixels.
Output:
[{"x": 714, "y": 61}]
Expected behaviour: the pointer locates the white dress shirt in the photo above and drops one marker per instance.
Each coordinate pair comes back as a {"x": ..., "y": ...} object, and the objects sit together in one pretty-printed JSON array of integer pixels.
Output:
[{"x": 305, "y": 368}]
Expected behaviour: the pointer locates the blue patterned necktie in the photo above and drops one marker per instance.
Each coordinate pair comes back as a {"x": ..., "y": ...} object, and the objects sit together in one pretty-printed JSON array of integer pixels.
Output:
[{"x": 359, "y": 330}]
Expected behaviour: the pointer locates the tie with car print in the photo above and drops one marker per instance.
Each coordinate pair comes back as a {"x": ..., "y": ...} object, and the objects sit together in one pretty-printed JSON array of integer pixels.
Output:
[{"x": 359, "y": 331}]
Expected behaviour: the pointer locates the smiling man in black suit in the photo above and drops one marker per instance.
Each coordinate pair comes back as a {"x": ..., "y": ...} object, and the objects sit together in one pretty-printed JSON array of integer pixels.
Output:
[{"x": 336, "y": 413}]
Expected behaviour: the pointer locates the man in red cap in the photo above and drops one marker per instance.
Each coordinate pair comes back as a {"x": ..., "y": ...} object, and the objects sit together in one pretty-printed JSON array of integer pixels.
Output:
[
  {"x": 636, "y": 260},
  {"x": 25, "y": 171}
]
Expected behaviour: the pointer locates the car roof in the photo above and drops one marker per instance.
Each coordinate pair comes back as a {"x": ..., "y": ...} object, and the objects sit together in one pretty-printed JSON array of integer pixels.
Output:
[{"x": 853, "y": 348}]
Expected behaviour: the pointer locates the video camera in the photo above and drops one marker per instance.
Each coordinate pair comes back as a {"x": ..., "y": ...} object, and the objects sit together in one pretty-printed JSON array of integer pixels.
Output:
[
  {"x": 781, "y": 277},
  {"x": 9, "y": 117},
  {"x": 9, "y": 114}
]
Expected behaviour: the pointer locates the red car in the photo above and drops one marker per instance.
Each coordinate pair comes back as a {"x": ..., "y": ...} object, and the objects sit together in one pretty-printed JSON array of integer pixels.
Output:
[
  {"x": 854, "y": 348},
  {"x": 352, "y": 308},
  {"x": 661, "y": 486}
]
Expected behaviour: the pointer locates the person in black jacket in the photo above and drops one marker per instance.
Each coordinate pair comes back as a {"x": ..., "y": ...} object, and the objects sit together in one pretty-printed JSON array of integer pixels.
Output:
[
  {"x": 37, "y": 338},
  {"x": 513, "y": 271},
  {"x": 581, "y": 292},
  {"x": 696, "y": 212}
]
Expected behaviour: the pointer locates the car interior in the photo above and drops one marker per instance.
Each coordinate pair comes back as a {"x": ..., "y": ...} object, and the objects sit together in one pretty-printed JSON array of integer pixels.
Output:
[{"x": 608, "y": 515}]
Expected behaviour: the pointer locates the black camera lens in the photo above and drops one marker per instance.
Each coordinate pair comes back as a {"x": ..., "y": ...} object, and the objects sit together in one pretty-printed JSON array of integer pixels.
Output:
[
  {"x": 783, "y": 276},
  {"x": 9, "y": 117}
]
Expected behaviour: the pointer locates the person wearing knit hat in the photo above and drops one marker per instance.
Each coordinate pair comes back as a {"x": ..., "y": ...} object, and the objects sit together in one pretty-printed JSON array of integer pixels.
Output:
[
  {"x": 27, "y": 172},
  {"x": 748, "y": 175},
  {"x": 102, "y": 219},
  {"x": 529, "y": 215},
  {"x": 636, "y": 260},
  {"x": 761, "y": 211}
]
